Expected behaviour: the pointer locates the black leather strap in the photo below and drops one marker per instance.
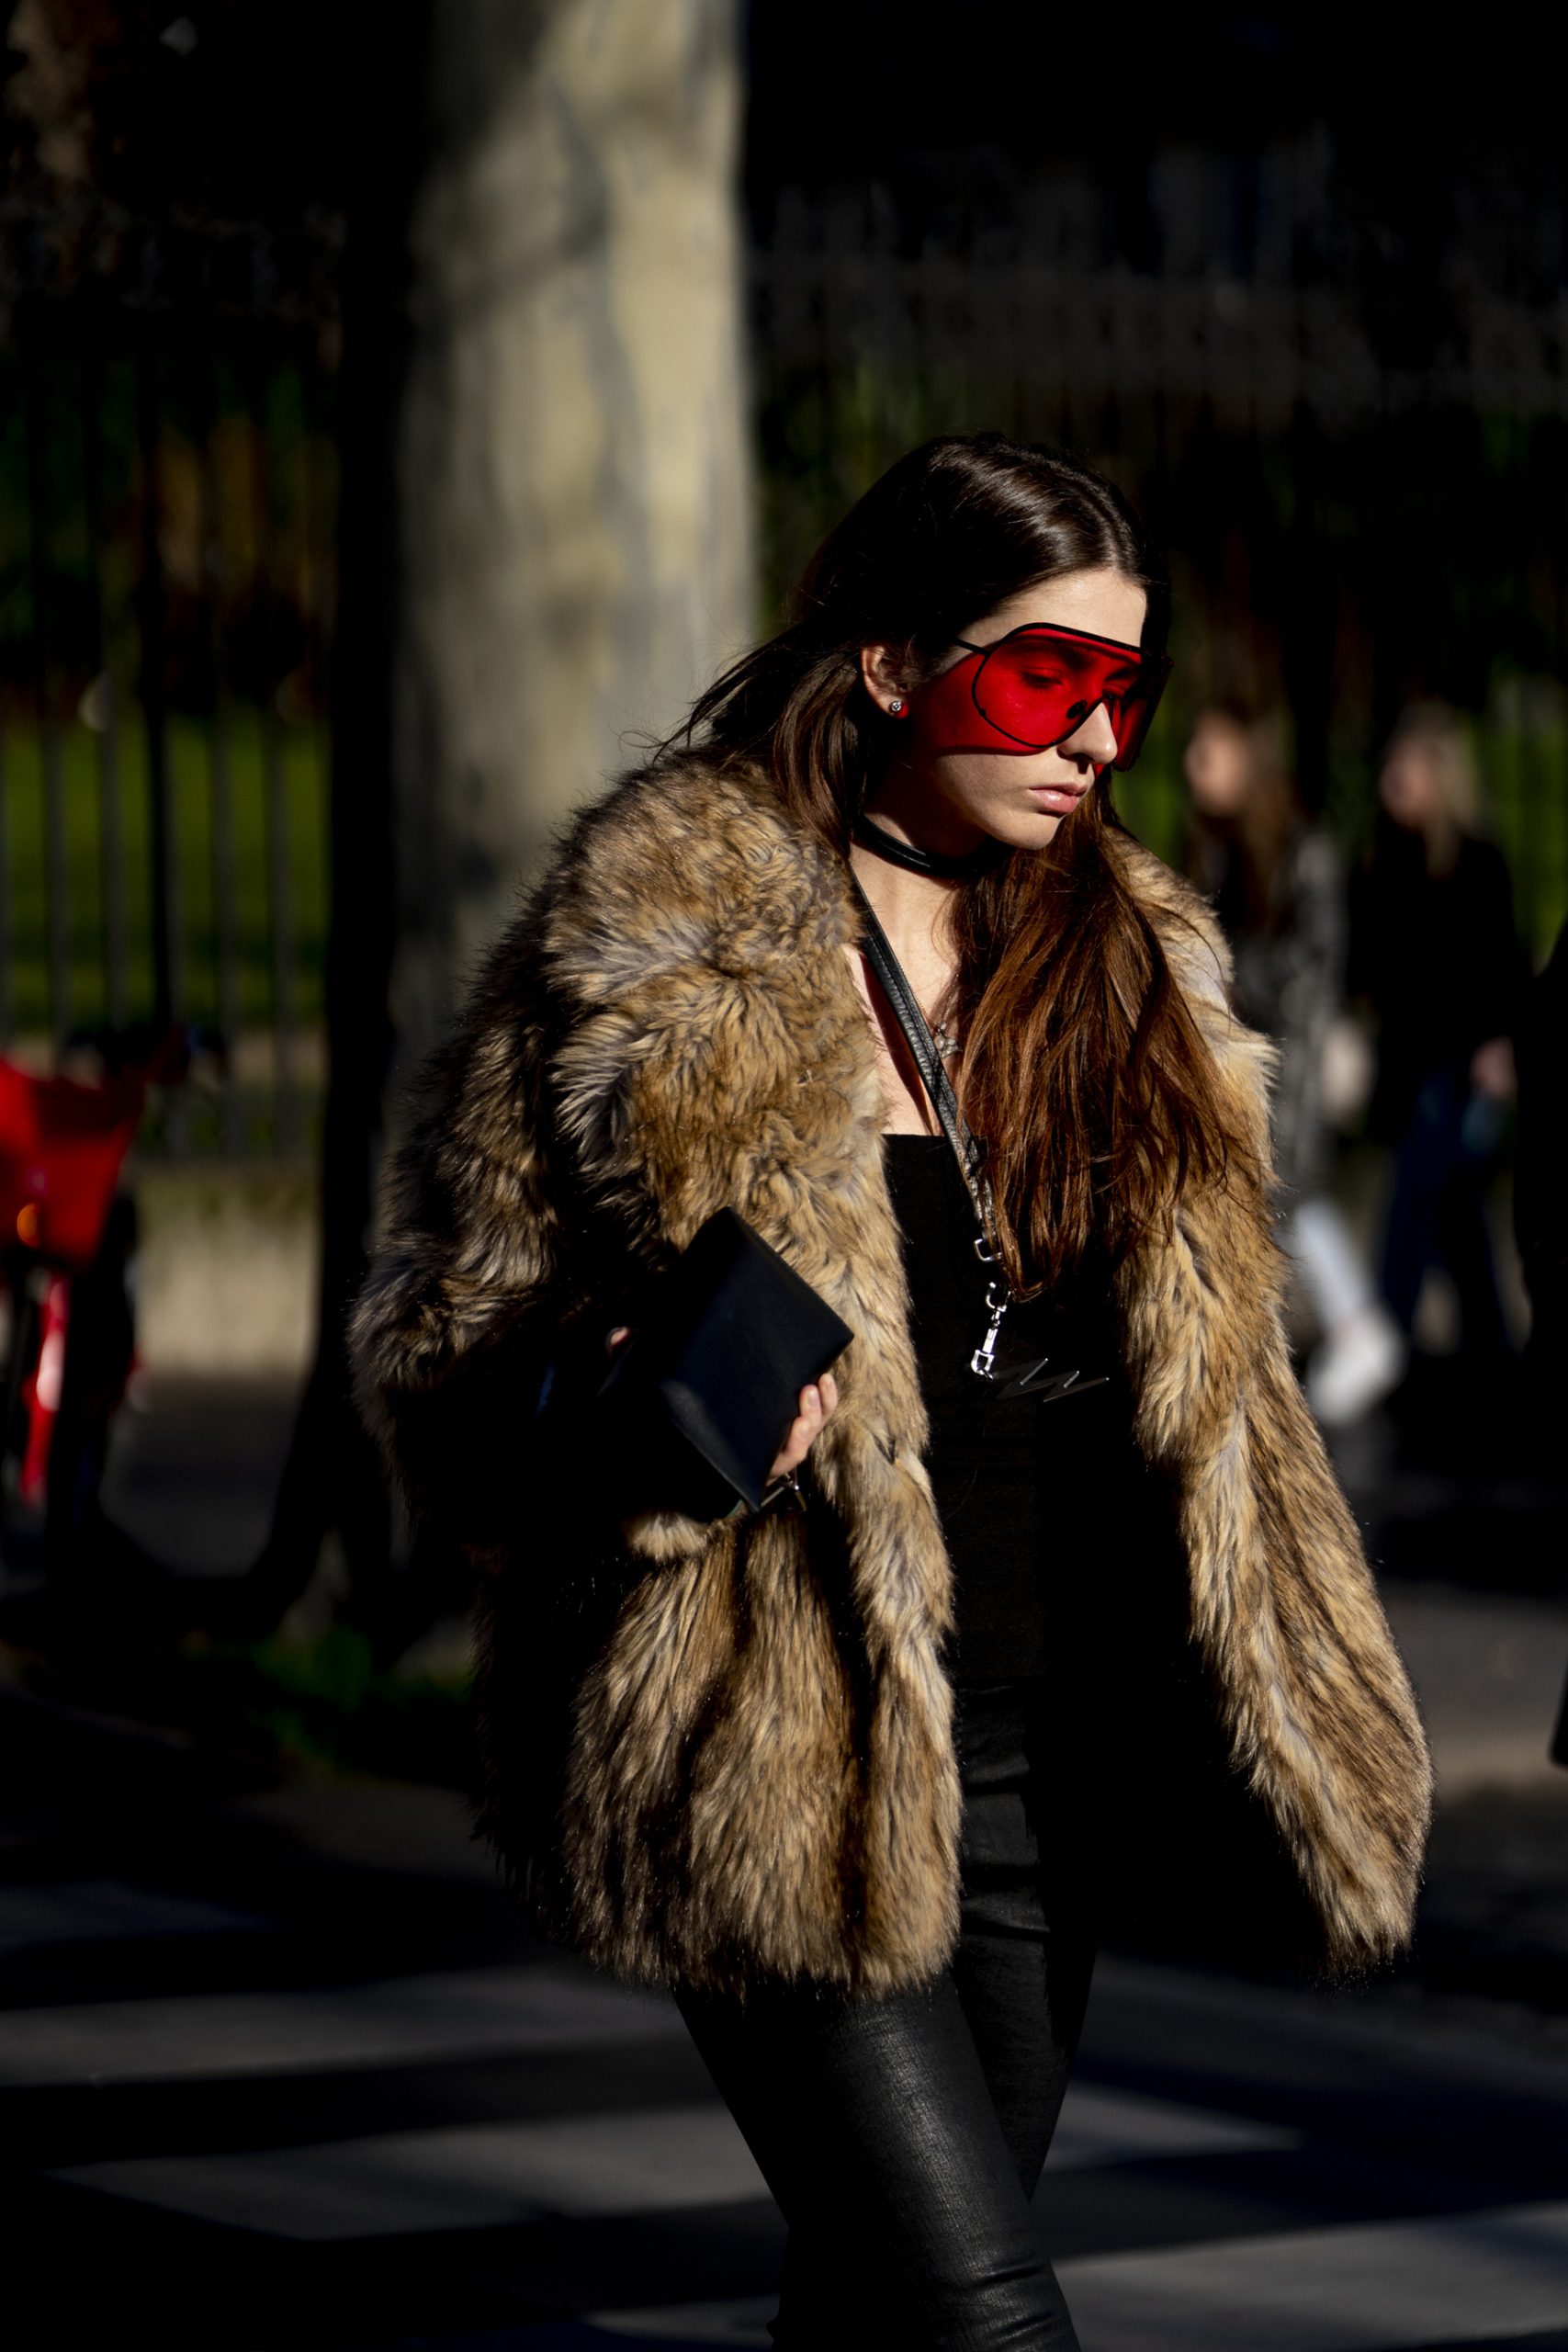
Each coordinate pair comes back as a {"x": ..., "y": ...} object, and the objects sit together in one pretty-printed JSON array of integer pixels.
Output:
[
  {"x": 1021, "y": 1378},
  {"x": 967, "y": 1149}
]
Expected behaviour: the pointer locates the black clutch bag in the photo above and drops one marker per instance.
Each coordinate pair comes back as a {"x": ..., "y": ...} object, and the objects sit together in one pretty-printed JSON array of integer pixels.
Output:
[{"x": 699, "y": 1399}]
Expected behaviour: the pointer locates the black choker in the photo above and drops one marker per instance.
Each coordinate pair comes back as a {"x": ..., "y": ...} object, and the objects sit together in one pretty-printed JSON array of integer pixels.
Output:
[{"x": 944, "y": 866}]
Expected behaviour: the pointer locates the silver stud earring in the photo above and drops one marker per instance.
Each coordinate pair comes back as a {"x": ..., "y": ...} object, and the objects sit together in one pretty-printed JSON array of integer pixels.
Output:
[{"x": 894, "y": 708}]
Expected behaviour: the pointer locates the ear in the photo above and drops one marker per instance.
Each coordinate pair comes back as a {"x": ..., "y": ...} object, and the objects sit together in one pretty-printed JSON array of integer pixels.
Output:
[{"x": 879, "y": 669}]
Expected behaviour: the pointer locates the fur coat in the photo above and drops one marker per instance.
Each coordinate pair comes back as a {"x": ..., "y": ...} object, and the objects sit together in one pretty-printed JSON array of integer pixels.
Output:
[{"x": 722, "y": 1752}]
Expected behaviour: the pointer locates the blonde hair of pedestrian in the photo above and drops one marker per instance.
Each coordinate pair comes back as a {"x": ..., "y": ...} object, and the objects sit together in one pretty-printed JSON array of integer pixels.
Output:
[{"x": 1436, "y": 733}]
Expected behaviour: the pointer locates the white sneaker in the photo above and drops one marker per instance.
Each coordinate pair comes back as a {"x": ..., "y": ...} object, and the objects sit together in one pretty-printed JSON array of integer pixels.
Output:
[{"x": 1362, "y": 1359}]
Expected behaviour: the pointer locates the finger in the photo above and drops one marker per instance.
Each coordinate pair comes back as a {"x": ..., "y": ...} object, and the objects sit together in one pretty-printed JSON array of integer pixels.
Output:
[
  {"x": 796, "y": 1447},
  {"x": 802, "y": 1429},
  {"x": 816, "y": 1401}
]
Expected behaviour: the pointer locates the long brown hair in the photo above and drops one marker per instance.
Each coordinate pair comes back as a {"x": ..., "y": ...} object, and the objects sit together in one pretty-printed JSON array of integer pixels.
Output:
[{"x": 1082, "y": 1067}]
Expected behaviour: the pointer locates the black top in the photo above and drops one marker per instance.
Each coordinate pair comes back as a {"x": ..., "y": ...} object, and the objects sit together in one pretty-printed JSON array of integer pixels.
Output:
[
  {"x": 1023, "y": 1486},
  {"x": 1439, "y": 957}
]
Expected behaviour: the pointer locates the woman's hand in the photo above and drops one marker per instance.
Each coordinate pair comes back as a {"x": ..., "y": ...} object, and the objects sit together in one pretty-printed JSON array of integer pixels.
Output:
[
  {"x": 818, "y": 1399},
  {"x": 817, "y": 1402}
]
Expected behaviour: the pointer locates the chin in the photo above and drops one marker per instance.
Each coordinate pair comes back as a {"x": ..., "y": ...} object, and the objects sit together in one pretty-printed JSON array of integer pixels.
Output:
[{"x": 1029, "y": 832}]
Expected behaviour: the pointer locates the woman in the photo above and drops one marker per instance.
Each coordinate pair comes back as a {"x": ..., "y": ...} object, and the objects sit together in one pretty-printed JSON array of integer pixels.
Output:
[
  {"x": 1276, "y": 884},
  {"x": 1435, "y": 950},
  {"x": 841, "y": 1773}
]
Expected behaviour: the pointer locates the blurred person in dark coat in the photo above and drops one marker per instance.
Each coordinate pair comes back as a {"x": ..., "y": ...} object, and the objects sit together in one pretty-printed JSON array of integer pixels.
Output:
[
  {"x": 1435, "y": 951},
  {"x": 1541, "y": 1172},
  {"x": 1540, "y": 1223},
  {"x": 1278, "y": 887}
]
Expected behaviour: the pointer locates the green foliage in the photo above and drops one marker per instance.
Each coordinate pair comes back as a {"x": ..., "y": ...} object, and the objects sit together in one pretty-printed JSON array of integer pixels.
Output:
[
  {"x": 1521, "y": 752},
  {"x": 261, "y": 1708},
  {"x": 238, "y": 446},
  {"x": 272, "y": 780},
  {"x": 325, "y": 1703}
]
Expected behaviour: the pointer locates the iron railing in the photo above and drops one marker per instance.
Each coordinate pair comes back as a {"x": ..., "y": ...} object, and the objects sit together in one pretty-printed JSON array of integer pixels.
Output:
[
  {"x": 1348, "y": 527},
  {"x": 167, "y": 570}
]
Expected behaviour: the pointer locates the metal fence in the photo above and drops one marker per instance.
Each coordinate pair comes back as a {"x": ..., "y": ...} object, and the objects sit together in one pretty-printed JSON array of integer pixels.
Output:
[
  {"x": 1348, "y": 527},
  {"x": 167, "y": 496}
]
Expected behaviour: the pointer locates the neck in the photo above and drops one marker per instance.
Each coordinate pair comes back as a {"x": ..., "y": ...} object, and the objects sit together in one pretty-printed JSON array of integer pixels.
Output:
[
  {"x": 912, "y": 807},
  {"x": 911, "y": 892},
  {"x": 911, "y": 908}
]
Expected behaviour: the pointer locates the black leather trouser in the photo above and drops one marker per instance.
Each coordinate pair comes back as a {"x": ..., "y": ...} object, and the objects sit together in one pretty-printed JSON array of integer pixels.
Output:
[{"x": 904, "y": 2137}]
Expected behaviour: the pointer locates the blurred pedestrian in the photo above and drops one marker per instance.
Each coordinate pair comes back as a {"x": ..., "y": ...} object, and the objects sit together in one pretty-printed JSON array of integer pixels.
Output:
[
  {"x": 1541, "y": 1224},
  {"x": 834, "y": 1765},
  {"x": 1541, "y": 1171},
  {"x": 1435, "y": 951},
  {"x": 1276, "y": 882}
]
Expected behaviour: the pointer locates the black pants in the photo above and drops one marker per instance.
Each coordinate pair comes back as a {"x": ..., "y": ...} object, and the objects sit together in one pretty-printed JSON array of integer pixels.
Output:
[{"x": 903, "y": 2138}]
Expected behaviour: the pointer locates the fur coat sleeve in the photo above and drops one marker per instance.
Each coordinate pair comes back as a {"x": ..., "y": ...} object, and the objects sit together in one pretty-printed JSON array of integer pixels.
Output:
[
  {"x": 756, "y": 1772},
  {"x": 1318, "y": 1704},
  {"x": 454, "y": 1327}
]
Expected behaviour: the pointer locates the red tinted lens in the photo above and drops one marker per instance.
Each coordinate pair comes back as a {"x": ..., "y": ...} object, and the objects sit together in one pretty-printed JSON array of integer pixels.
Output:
[
  {"x": 1130, "y": 717},
  {"x": 1038, "y": 687}
]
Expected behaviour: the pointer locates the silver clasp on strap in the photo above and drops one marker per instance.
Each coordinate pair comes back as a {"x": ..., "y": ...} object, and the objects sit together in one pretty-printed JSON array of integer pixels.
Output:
[{"x": 982, "y": 1360}]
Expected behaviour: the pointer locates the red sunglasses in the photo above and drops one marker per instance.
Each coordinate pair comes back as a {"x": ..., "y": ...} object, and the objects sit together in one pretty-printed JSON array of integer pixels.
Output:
[{"x": 1036, "y": 687}]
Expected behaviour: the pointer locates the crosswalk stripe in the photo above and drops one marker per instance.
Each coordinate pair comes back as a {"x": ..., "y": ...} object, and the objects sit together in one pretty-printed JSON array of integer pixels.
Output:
[
  {"x": 470, "y": 2177},
  {"x": 485, "y": 2175},
  {"x": 392, "y": 2019},
  {"x": 1366, "y": 2288},
  {"x": 742, "y": 2322},
  {"x": 1104, "y": 2127},
  {"x": 75, "y": 1911},
  {"x": 1495, "y": 2274}
]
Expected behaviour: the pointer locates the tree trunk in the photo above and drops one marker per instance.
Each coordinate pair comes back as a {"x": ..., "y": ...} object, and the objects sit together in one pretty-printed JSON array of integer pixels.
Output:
[
  {"x": 571, "y": 452},
  {"x": 546, "y": 550}
]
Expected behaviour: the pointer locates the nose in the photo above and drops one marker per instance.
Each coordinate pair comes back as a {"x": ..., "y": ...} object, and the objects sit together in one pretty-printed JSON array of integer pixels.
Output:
[{"x": 1094, "y": 743}]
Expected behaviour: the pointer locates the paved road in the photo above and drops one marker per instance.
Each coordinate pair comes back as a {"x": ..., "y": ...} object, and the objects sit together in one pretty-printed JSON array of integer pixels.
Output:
[{"x": 282, "y": 2071}]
